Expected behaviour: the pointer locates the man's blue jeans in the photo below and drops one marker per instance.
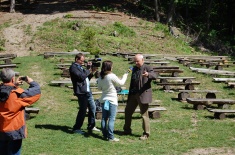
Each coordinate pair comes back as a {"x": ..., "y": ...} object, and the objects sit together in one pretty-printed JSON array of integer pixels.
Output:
[
  {"x": 85, "y": 101},
  {"x": 11, "y": 147},
  {"x": 108, "y": 120}
]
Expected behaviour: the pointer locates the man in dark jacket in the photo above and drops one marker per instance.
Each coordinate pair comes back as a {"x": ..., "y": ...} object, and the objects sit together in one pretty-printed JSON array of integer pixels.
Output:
[
  {"x": 13, "y": 101},
  {"x": 80, "y": 78},
  {"x": 140, "y": 93}
]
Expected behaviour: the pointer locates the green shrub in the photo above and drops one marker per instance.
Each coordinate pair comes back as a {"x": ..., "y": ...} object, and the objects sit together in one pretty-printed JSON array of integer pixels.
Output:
[
  {"x": 124, "y": 30},
  {"x": 89, "y": 41}
]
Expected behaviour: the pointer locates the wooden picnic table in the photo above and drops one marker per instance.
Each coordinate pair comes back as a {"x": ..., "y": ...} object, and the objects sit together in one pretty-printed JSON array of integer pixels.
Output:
[
  {"x": 157, "y": 62},
  {"x": 220, "y": 113},
  {"x": 188, "y": 86},
  {"x": 154, "y": 112},
  {"x": 199, "y": 102},
  {"x": 164, "y": 79},
  {"x": 52, "y": 54},
  {"x": 212, "y": 72},
  {"x": 174, "y": 72},
  {"x": 8, "y": 55},
  {"x": 184, "y": 94},
  {"x": 8, "y": 66},
  {"x": 223, "y": 79}
]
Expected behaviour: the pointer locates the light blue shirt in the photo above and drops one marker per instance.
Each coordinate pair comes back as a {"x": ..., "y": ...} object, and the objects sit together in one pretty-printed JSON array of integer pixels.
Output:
[{"x": 87, "y": 81}]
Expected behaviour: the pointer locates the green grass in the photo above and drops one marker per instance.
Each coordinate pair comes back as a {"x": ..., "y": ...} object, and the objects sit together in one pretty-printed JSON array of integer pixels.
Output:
[
  {"x": 144, "y": 37},
  {"x": 179, "y": 129}
]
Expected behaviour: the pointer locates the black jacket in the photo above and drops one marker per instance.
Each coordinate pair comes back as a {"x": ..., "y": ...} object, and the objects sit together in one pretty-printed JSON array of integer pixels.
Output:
[
  {"x": 78, "y": 77},
  {"x": 143, "y": 84}
]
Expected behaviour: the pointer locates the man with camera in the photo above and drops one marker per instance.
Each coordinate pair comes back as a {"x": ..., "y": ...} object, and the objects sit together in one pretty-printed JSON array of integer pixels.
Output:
[
  {"x": 13, "y": 101},
  {"x": 80, "y": 78}
]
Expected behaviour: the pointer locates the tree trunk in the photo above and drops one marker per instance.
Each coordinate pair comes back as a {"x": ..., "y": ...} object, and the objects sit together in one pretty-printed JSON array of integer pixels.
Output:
[
  {"x": 208, "y": 16},
  {"x": 12, "y": 6},
  {"x": 156, "y": 11},
  {"x": 171, "y": 12}
]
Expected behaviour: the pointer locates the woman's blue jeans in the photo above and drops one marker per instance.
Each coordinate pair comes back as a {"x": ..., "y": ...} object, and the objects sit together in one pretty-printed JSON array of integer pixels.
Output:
[{"x": 108, "y": 120}]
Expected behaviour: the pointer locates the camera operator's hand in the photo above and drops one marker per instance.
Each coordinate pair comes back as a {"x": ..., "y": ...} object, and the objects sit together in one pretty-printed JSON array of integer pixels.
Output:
[
  {"x": 22, "y": 79},
  {"x": 18, "y": 81},
  {"x": 29, "y": 80},
  {"x": 89, "y": 65}
]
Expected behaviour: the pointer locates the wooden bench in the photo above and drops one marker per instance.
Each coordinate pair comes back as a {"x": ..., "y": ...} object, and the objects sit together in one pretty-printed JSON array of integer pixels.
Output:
[
  {"x": 7, "y": 60},
  {"x": 212, "y": 72},
  {"x": 188, "y": 86},
  {"x": 153, "y": 112},
  {"x": 231, "y": 84},
  {"x": 7, "y": 65},
  {"x": 53, "y": 54},
  {"x": 199, "y": 103},
  {"x": 223, "y": 79},
  {"x": 164, "y": 79},
  {"x": 220, "y": 113},
  {"x": 174, "y": 72},
  {"x": 154, "y": 103},
  {"x": 29, "y": 110},
  {"x": 184, "y": 94},
  {"x": 61, "y": 83},
  {"x": 8, "y": 55},
  {"x": 162, "y": 63}
]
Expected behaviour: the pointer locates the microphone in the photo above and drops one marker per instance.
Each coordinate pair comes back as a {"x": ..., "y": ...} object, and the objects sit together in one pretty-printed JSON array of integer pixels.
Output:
[{"x": 130, "y": 69}]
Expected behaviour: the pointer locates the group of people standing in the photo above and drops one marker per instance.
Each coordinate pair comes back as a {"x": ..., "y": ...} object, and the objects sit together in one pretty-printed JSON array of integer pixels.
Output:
[
  {"x": 140, "y": 94},
  {"x": 14, "y": 99}
]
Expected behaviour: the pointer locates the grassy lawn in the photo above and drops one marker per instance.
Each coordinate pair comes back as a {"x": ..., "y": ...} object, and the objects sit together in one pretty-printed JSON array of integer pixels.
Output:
[{"x": 179, "y": 129}]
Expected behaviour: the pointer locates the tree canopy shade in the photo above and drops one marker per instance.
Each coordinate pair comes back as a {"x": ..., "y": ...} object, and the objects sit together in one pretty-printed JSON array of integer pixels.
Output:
[{"x": 209, "y": 19}]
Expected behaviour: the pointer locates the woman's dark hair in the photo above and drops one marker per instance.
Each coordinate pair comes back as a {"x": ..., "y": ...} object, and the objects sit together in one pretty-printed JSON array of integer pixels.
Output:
[{"x": 106, "y": 68}]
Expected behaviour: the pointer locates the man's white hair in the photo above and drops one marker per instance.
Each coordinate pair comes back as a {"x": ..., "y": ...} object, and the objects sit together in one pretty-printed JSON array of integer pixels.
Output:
[{"x": 139, "y": 56}]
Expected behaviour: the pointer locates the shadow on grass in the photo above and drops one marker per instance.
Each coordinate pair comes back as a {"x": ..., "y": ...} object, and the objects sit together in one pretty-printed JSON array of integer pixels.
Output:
[
  {"x": 93, "y": 134},
  {"x": 121, "y": 133},
  {"x": 66, "y": 129},
  {"x": 229, "y": 116}
]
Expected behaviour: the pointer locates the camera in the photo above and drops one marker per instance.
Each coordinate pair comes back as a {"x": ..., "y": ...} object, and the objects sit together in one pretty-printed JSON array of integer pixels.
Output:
[
  {"x": 23, "y": 78},
  {"x": 96, "y": 62}
]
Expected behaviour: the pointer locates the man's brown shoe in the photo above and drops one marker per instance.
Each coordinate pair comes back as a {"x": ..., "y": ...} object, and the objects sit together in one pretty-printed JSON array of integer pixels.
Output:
[{"x": 143, "y": 137}]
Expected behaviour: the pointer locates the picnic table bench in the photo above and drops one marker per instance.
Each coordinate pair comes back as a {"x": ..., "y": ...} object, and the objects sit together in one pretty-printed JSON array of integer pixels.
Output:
[
  {"x": 199, "y": 103},
  {"x": 154, "y": 112},
  {"x": 8, "y": 55},
  {"x": 221, "y": 113},
  {"x": 8, "y": 65},
  {"x": 29, "y": 110},
  {"x": 162, "y": 63},
  {"x": 231, "y": 84},
  {"x": 174, "y": 72},
  {"x": 53, "y": 54},
  {"x": 223, "y": 79},
  {"x": 164, "y": 79},
  {"x": 188, "y": 86},
  {"x": 63, "y": 82},
  {"x": 212, "y": 72},
  {"x": 7, "y": 60},
  {"x": 184, "y": 94}
]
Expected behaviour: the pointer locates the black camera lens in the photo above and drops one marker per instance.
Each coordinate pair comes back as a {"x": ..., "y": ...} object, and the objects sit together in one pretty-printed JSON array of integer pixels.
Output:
[{"x": 24, "y": 78}]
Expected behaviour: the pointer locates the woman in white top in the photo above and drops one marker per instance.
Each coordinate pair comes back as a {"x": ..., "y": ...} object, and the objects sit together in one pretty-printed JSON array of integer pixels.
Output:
[{"x": 109, "y": 99}]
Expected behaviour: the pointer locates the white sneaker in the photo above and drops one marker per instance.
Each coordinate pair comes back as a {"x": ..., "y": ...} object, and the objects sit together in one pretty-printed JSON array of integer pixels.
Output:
[
  {"x": 78, "y": 132},
  {"x": 114, "y": 140},
  {"x": 95, "y": 129}
]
